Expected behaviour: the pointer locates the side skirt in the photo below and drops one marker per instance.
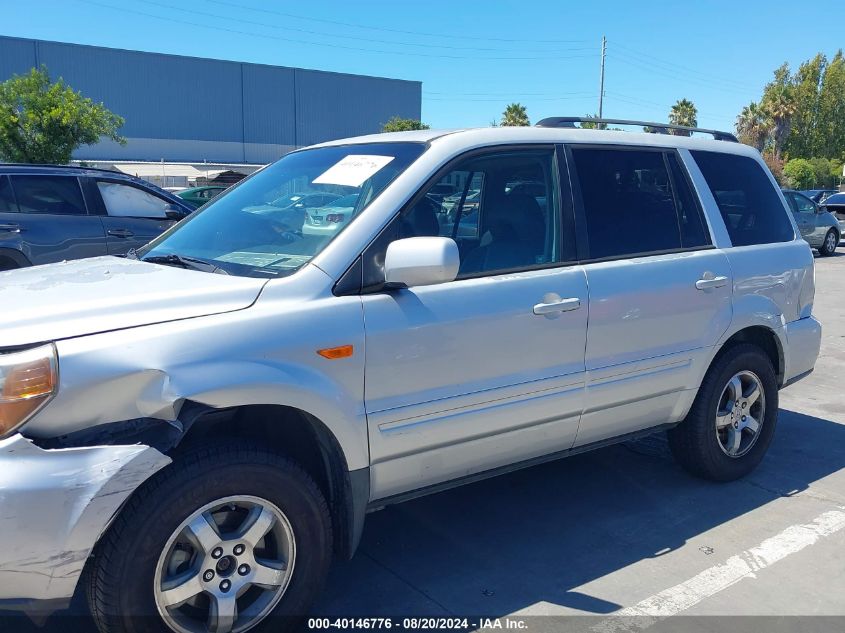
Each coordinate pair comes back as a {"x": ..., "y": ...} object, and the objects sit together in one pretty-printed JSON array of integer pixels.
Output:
[{"x": 379, "y": 504}]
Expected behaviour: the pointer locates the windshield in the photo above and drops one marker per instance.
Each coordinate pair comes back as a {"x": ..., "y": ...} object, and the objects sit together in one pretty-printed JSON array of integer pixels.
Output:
[{"x": 256, "y": 229}]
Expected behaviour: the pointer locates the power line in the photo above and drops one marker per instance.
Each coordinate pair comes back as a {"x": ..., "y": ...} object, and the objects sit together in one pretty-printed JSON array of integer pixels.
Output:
[
  {"x": 630, "y": 99},
  {"x": 321, "y": 44},
  {"x": 509, "y": 93},
  {"x": 678, "y": 67},
  {"x": 677, "y": 76},
  {"x": 511, "y": 98},
  {"x": 551, "y": 53},
  {"x": 389, "y": 30}
]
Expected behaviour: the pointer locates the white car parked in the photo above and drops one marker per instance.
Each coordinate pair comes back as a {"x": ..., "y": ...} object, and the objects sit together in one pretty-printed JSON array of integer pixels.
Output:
[{"x": 225, "y": 409}]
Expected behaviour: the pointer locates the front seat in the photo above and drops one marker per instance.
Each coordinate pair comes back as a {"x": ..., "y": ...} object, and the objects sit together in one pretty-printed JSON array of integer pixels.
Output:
[
  {"x": 517, "y": 235},
  {"x": 421, "y": 220}
]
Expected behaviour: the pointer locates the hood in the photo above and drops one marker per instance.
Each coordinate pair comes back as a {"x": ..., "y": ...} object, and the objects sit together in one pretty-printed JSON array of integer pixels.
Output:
[{"x": 58, "y": 301}]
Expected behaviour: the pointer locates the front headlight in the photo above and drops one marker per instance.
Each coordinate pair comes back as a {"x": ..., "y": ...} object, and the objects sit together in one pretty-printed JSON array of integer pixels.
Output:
[{"x": 28, "y": 380}]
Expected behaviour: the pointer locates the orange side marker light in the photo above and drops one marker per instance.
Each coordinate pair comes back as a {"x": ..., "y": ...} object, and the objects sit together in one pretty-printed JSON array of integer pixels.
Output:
[{"x": 333, "y": 353}]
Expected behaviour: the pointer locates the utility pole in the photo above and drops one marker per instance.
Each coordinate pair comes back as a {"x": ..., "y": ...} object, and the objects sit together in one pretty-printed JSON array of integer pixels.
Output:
[{"x": 601, "y": 77}]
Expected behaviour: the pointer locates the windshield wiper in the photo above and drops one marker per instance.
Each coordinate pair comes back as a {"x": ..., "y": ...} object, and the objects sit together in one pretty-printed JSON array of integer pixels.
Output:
[{"x": 185, "y": 262}]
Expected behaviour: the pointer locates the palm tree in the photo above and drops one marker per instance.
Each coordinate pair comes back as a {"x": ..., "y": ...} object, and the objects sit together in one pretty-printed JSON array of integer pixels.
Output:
[
  {"x": 683, "y": 113},
  {"x": 753, "y": 126},
  {"x": 779, "y": 104},
  {"x": 514, "y": 116}
]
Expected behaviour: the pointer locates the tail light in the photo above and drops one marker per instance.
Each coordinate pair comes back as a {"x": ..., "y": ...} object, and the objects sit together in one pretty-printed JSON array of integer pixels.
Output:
[{"x": 334, "y": 218}]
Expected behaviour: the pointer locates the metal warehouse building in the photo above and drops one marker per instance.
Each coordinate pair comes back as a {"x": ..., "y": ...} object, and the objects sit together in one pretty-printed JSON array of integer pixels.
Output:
[{"x": 194, "y": 110}]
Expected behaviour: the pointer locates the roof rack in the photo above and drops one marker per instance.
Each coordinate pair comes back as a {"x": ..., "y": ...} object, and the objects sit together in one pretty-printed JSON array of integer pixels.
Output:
[{"x": 656, "y": 128}]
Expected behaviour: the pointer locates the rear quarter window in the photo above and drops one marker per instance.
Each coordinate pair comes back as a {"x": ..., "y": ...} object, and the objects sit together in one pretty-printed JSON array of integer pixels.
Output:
[{"x": 749, "y": 203}]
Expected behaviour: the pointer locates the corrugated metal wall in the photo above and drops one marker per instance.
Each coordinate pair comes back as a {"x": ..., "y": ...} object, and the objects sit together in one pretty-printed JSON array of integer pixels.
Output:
[{"x": 192, "y": 109}]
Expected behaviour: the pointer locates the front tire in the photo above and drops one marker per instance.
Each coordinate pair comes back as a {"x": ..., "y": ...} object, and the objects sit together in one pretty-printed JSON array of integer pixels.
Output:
[
  {"x": 231, "y": 537},
  {"x": 831, "y": 241},
  {"x": 732, "y": 420}
]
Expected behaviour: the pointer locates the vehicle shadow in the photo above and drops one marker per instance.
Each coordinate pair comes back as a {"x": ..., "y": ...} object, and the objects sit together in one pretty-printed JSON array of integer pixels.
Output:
[{"x": 536, "y": 535}]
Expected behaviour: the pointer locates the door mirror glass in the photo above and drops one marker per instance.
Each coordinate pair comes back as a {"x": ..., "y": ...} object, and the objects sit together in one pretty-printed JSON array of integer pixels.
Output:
[
  {"x": 173, "y": 212},
  {"x": 421, "y": 261}
]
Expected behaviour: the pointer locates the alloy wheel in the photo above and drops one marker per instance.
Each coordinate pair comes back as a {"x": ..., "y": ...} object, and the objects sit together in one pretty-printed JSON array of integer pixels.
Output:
[
  {"x": 740, "y": 414},
  {"x": 226, "y": 566}
]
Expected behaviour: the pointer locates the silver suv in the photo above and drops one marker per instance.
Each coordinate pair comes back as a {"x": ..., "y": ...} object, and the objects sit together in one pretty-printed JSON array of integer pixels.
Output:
[{"x": 199, "y": 431}]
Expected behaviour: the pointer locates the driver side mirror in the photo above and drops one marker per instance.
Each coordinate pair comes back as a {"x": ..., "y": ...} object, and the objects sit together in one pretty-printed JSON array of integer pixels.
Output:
[
  {"x": 421, "y": 261},
  {"x": 173, "y": 212}
]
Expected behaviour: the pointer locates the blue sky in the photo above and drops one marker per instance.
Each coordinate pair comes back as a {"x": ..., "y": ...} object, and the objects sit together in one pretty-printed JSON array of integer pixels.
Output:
[{"x": 474, "y": 57}]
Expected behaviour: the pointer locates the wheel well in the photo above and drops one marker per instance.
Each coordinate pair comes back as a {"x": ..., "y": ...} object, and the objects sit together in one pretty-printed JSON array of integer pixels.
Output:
[
  {"x": 11, "y": 259},
  {"x": 766, "y": 340},
  {"x": 7, "y": 263},
  {"x": 295, "y": 434}
]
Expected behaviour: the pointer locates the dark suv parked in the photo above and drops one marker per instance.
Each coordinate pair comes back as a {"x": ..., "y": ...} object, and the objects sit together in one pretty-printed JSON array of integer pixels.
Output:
[{"x": 49, "y": 213}]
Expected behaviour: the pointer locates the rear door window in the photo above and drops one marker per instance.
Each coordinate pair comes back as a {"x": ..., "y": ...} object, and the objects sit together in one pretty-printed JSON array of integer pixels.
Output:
[
  {"x": 56, "y": 195},
  {"x": 629, "y": 204},
  {"x": 7, "y": 198},
  {"x": 749, "y": 203}
]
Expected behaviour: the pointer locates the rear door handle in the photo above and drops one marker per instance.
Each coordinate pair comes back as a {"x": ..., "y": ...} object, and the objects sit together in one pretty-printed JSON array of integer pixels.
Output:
[
  {"x": 120, "y": 233},
  {"x": 711, "y": 282},
  {"x": 554, "y": 305},
  {"x": 10, "y": 228}
]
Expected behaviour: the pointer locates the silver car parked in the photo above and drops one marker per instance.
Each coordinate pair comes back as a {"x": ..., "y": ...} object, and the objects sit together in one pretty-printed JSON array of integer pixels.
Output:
[
  {"x": 817, "y": 225},
  {"x": 197, "y": 432}
]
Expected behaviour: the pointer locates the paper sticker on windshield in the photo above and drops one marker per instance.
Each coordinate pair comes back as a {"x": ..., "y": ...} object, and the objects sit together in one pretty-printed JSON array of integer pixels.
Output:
[{"x": 353, "y": 170}]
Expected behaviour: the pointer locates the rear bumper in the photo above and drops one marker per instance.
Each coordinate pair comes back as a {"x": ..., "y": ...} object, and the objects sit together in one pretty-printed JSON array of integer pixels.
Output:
[
  {"x": 54, "y": 505},
  {"x": 803, "y": 342}
]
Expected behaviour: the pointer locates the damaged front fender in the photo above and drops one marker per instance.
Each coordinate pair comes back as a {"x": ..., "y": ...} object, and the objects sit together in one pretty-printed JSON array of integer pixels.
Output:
[{"x": 55, "y": 504}]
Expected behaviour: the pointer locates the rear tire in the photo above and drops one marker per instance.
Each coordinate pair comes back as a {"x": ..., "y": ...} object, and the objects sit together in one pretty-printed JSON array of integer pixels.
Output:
[
  {"x": 717, "y": 440},
  {"x": 831, "y": 241},
  {"x": 162, "y": 541},
  {"x": 7, "y": 264}
]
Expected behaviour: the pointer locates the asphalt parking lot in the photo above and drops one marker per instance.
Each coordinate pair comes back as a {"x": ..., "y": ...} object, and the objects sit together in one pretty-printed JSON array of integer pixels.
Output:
[{"x": 625, "y": 530}]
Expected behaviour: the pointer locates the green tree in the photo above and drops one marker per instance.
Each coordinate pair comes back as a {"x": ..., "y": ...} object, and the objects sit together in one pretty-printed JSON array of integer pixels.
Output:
[
  {"x": 44, "y": 122},
  {"x": 515, "y": 115},
  {"x": 802, "y": 139},
  {"x": 753, "y": 126},
  {"x": 589, "y": 125},
  {"x": 799, "y": 173},
  {"x": 803, "y": 113},
  {"x": 780, "y": 105},
  {"x": 826, "y": 171},
  {"x": 398, "y": 124},
  {"x": 830, "y": 126},
  {"x": 683, "y": 113}
]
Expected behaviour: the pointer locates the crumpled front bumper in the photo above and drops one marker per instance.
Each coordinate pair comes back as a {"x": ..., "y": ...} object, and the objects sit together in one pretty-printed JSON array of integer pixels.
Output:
[{"x": 54, "y": 505}]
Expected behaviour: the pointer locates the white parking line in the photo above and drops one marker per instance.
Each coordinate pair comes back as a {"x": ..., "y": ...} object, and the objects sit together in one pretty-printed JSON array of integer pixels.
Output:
[{"x": 711, "y": 581}]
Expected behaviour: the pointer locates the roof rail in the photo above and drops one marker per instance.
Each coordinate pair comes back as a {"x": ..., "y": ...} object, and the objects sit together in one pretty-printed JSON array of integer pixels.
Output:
[
  {"x": 657, "y": 128},
  {"x": 51, "y": 166}
]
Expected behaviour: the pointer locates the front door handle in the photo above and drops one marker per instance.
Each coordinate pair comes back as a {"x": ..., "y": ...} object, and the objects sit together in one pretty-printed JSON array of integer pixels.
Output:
[
  {"x": 120, "y": 233},
  {"x": 553, "y": 304},
  {"x": 10, "y": 228},
  {"x": 708, "y": 281}
]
